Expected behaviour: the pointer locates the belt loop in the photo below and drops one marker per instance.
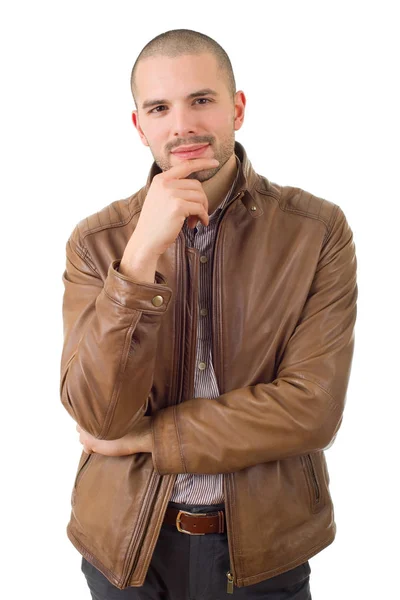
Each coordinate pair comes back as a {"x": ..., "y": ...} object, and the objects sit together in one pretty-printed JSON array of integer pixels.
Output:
[{"x": 220, "y": 521}]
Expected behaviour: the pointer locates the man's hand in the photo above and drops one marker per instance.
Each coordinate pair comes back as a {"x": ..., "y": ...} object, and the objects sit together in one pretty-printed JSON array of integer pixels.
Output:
[
  {"x": 138, "y": 440},
  {"x": 171, "y": 198}
]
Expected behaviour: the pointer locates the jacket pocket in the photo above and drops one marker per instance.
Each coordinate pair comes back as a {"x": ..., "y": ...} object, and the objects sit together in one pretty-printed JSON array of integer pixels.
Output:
[
  {"x": 313, "y": 482},
  {"x": 84, "y": 462}
]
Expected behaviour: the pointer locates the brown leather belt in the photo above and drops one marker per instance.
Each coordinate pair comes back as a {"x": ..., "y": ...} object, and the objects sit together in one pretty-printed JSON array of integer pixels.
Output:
[{"x": 195, "y": 523}]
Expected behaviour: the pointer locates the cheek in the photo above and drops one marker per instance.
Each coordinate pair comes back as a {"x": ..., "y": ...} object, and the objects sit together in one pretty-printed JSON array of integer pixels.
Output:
[
  {"x": 222, "y": 121},
  {"x": 156, "y": 133}
]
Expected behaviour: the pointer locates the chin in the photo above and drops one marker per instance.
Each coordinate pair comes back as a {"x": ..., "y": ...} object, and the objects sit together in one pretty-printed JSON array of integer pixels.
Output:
[{"x": 204, "y": 175}]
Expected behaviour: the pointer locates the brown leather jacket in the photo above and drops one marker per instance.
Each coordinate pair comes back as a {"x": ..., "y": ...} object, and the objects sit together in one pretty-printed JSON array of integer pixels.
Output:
[{"x": 284, "y": 310}]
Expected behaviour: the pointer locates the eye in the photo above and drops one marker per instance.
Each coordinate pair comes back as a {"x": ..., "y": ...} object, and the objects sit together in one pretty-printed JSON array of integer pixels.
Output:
[{"x": 154, "y": 110}]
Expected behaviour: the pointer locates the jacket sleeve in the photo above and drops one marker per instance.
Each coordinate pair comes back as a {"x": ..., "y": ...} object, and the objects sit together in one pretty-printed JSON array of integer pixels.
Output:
[
  {"x": 297, "y": 413},
  {"x": 111, "y": 328}
]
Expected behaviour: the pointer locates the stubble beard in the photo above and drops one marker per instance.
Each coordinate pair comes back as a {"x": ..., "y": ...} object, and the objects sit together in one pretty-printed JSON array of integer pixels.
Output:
[{"x": 223, "y": 154}]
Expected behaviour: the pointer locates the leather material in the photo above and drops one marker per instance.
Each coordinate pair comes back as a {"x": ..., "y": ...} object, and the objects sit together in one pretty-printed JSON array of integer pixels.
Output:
[
  {"x": 283, "y": 316},
  {"x": 196, "y": 524}
]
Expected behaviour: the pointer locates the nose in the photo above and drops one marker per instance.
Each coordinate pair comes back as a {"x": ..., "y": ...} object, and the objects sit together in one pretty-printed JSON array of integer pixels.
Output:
[{"x": 183, "y": 123}]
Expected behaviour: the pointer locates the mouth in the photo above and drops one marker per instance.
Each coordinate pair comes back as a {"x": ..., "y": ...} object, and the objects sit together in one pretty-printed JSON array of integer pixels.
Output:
[{"x": 188, "y": 153}]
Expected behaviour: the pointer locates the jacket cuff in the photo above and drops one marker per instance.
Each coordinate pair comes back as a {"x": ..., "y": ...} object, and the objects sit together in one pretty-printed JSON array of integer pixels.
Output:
[
  {"x": 167, "y": 455},
  {"x": 138, "y": 295}
]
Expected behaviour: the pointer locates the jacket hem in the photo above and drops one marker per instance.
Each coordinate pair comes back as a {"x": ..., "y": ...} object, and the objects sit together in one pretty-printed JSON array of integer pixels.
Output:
[
  {"x": 245, "y": 581},
  {"x": 92, "y": 559}
]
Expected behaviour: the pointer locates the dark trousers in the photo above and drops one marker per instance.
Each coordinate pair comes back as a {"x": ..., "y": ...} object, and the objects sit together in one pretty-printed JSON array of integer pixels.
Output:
[{"x": 194, "y": 567}]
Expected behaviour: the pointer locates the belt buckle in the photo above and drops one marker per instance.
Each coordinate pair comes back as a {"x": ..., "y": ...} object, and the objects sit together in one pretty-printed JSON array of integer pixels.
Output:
[{"x": 178, "y": 522}]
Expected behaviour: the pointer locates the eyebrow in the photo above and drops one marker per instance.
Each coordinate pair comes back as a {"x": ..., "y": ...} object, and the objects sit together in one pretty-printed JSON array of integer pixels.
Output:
[{"x": 204, "y": 92}]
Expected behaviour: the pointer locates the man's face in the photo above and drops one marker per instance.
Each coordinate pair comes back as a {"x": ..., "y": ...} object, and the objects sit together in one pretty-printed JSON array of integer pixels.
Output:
[{"x": 192, "y": 105}]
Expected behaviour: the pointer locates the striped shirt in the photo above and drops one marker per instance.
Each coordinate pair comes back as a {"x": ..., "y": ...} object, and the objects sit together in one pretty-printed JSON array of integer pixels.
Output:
[{"x": 195, "y": 488}]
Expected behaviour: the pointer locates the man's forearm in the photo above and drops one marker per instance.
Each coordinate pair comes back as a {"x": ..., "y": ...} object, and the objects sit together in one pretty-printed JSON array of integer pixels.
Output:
[
  {"x": 138, "y": 264},
  {"x": 138, "y": 440}
]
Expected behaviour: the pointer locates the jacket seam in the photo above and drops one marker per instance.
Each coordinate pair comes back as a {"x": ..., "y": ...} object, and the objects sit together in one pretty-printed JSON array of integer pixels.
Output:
[
  {"x": 110, "y": 225},
  {"x": 176, "y": 418},
  {"x": 332, "y": 222},
  {"x": 234, "y": 521},
  {"x": 108, "y": 419},
  {"x": 154, "y": 452},
  {"x": 267, "y": 192},
  {"x": 336, "y": 405},
  {"x": 303, "y": 213},
  {"x": 84, "y": 253}
]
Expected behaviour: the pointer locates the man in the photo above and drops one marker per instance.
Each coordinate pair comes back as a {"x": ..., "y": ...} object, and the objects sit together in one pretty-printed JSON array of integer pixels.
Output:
[{"x": 208, "y": 340}]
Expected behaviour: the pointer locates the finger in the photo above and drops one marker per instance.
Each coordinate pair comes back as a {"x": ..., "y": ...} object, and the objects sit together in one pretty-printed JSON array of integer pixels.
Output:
[
  {"x": 194, "y": 193},
  {"x": 190, "y": 195},
  {"x": 184, "y": 184},
  {"x": 193, "y": 209},
  {"x": 189, "y": 166},
  {"x": 192, "y": 221}
]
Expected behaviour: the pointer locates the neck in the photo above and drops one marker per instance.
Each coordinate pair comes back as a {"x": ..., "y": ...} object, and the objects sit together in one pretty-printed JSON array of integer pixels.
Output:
[{"x": 218, "y": 186}]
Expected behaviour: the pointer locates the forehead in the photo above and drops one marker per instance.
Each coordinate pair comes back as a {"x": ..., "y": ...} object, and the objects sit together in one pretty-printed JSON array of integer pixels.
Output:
[{"x": 163, "y": 76}]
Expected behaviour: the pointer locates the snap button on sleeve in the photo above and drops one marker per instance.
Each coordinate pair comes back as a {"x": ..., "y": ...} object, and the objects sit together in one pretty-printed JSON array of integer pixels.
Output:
[
  {"x": 157, "y": 300},
  {"x": 137, "y": 295}
]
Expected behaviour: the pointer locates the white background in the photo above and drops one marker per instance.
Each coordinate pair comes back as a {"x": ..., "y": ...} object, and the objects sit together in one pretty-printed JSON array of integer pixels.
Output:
[{"x": 322, "y": 114}]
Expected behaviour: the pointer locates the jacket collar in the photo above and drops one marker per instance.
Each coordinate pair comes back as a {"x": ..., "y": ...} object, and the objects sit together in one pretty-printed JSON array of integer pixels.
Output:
[{"x": 245, "y": 181}]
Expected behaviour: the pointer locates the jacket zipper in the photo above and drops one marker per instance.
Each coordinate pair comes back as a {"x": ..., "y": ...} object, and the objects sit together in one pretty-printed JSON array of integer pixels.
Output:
[
  {"x": 314, "y": 479},
  {"x": 215, "y": 288},
  {"x": 229, "y": 587},
  {"x": 193, "y": 333},
  {"x": 140, "y": 531},
  {"x": 182, "y": 319},
  {"x": 231, "y": 574}
]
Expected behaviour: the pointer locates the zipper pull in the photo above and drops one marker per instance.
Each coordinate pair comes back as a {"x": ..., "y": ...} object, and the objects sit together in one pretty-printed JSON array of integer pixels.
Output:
[{"x": 229, "y": 588}]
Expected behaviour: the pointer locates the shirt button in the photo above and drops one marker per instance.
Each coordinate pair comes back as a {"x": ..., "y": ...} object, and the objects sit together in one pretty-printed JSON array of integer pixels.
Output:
[
  {"x": 203, "y": 259},
  {"x": 202, "y": 366},
  {"x": 203, "y": 312}
]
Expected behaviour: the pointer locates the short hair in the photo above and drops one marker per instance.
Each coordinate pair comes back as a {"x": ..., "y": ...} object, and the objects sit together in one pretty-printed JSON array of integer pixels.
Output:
[{"x": 185, "y": 41}]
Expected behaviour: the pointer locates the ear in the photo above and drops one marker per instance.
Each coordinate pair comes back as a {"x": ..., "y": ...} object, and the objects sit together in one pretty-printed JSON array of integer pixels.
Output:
[
  {"x": 240, "y": 103},
  {"x": 135, "y": 120}
]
